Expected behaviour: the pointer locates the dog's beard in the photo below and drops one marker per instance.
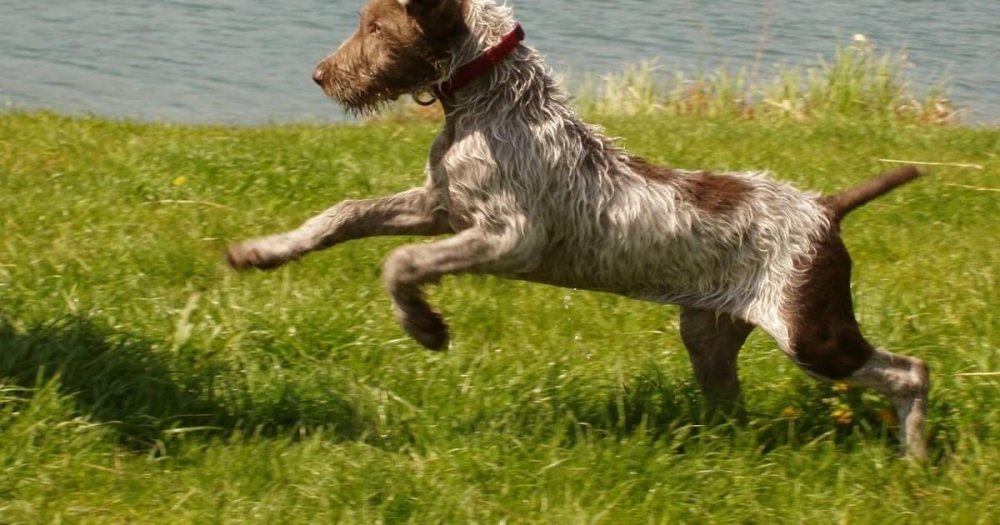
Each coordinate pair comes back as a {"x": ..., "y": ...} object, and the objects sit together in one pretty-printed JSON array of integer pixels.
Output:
[
  {"x": 369, "y": 101},
  {"x": 365, "y": 106},
  {"x": 362, "y": 102}
]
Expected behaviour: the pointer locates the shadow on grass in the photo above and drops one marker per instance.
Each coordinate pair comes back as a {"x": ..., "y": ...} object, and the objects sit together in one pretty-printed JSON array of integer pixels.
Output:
[
  {"x": 125, "y": 380},
  {"x": 662, "y": 407},
  {"x": 146, "y": 393}
]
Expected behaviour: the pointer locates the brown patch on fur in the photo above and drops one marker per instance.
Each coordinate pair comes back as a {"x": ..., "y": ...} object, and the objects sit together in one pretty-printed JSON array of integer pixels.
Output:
[
  {"x": 825, "y": 336},
  {"x": 716, "y": 193},
  {"x": 654, "y": 172},
  {"x": 708, "y": 192},
  {"x": 395, "y": 50}
]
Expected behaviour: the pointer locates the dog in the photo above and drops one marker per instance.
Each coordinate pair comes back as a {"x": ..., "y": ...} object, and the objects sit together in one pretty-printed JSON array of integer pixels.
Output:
[{"x": 529, "y": 191}]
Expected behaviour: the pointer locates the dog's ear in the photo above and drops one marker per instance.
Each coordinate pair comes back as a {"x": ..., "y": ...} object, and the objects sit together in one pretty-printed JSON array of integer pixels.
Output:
[
  {"x": 417, "y": 6},
  {"x": 437, "y": 16}
]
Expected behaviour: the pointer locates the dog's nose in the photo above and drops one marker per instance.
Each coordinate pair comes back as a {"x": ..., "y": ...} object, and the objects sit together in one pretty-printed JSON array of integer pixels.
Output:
[{"x": 318, "y": 75}]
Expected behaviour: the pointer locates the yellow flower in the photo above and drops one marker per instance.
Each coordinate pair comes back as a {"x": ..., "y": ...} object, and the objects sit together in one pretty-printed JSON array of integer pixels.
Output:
[
  {"x": 842, "y": 415},
  {"x": 180, "y": 181},
  {"x": 841, "y": 387},
  {"x": 789, "y": 413}
]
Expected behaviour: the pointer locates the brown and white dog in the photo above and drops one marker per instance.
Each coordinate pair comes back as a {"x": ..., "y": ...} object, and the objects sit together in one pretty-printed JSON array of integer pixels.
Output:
[{"x": 531, "y": 192}]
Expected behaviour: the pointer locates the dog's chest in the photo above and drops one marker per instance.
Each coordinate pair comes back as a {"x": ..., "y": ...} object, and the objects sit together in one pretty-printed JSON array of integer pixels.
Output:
[{"x": 476, "y": 184}]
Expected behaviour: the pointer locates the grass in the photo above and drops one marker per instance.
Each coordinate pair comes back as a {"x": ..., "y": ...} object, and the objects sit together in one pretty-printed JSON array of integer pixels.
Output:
[
  {"x": 859, "y": 81},
  {"x": 141, "y": 380}
]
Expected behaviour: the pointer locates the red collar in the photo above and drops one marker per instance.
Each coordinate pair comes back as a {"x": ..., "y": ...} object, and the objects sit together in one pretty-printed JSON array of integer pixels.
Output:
[{"x": 483, "y": 63}]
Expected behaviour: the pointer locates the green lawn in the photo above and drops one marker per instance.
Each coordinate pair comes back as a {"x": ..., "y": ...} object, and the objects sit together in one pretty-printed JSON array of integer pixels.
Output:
[{"x": 143, "y": 381}]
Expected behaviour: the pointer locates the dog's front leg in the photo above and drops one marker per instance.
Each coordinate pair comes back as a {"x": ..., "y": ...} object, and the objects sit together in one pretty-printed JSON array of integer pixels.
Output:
[
  {"x": 412, "y": 212},
  {"x": 411, "y": 266}
]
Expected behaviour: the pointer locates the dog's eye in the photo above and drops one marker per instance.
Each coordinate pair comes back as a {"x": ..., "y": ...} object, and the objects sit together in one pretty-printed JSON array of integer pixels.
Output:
[{"x": 375, "y": 28}]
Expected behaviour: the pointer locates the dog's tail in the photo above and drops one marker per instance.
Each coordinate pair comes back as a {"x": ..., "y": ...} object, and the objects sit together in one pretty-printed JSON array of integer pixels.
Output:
[{"x": 848, "y": 200}]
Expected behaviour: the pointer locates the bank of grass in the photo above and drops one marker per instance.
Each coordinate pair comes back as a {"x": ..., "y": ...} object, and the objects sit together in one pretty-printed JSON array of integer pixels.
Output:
[
  {"x": 140, "y": 380},
  {"x": 857, "y": 81}
]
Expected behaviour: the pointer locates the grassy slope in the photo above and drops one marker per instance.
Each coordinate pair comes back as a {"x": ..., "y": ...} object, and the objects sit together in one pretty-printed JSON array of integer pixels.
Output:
[{"x": 139, "y": 378}]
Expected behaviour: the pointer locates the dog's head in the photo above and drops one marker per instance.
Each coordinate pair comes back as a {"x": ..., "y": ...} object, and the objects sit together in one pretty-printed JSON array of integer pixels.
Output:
[{"x": 400, "y": 47}]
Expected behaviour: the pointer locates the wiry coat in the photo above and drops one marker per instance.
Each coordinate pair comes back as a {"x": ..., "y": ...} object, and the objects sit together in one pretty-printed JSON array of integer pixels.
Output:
[
  {"x": 513, "y": 147},
  {"x": 533, "y": 193}
]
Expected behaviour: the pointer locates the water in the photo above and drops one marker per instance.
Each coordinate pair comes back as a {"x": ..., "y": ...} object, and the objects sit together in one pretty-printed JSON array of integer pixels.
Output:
[{"x": 249, "y": 61}]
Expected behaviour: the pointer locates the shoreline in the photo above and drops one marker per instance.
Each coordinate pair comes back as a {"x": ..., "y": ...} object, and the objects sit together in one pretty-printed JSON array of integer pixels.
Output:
[{"x": 857, "y": 81}]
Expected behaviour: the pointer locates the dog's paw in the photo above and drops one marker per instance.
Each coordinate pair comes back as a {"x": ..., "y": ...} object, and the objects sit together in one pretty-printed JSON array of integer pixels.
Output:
[
  {"x": 245, "y": 256},
  {"x": 426, "y": 326}
]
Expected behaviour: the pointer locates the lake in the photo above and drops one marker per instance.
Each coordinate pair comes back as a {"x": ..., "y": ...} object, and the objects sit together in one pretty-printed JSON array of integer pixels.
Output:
[{"x": 249, "y": 61}]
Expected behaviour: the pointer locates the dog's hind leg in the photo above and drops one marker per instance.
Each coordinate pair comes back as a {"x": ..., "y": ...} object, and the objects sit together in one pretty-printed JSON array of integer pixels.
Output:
[
  {"x": 411, "y": 212},
  {"x": 713, "y": 341},
  {"x": 826, "y": 341},
  {"x": 905, "y": 381},
  {"x": 831, "y": 349},
  {"x": 834, "y": 349}
]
